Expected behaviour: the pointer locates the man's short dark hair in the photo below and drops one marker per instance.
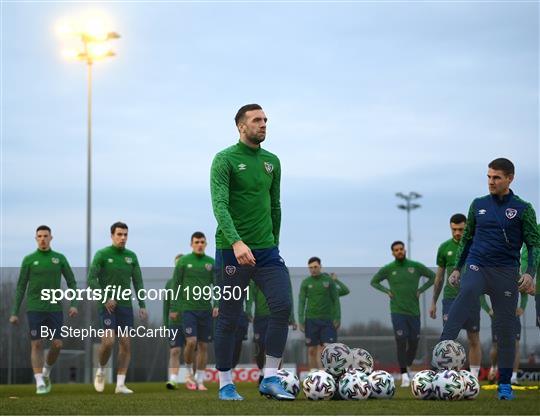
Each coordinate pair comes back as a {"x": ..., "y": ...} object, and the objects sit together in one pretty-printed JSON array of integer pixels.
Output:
[
  {"x": 502, "y": 164},
  {"x": 118, "y": 225},
  {"x": 314, "y": 259},
  {"x": 243, "y": 110},
  {"x": 43, "y": 227},
  {"x": 395, "y": 243},
  {"x": 198, "y": 235},
  {"x": 458, "y": 218}
]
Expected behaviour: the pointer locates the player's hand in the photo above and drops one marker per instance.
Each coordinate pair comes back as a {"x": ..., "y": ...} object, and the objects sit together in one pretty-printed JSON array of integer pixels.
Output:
[
  {"x": 243, "y": 254},
  {"x": 532, "y": 291},
  {"x": 526, "y": 282},
  {"x": 519, "y": 312},
  {"x": 337, "y": 324},
  {"x": 302, "y": 328},
  {"x": 173, "y": 315},
  {"x": 215, "y": 312},
  {"x": 454, "y": 279},
  {"x": 73, "y": 312},
  {"x": 433, "y": 311},
  {"x": 490, "y": 312},
  {"x": 110, "y": 305},
  {"x": 143, "y": 314},
  {"x": 14, "y": 320},
  {"x": 333, "y": 276},
  {"x": 390, "y": 294}
]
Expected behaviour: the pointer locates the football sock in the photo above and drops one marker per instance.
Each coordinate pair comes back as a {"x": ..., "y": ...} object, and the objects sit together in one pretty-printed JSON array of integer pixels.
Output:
[
  {"x": 39, "y": 379},
  {"x": 100, "y": 370},
  {"x": 271, "y": 367},
  {"x": 173, "y": 378},
  {"x": 225, "y": 378},
  {"x": 200, "y": 377},
  {"x": 120, "y": 380},
  {"x": 475, "y": 370},
  {"x": 46, "y": 370}
]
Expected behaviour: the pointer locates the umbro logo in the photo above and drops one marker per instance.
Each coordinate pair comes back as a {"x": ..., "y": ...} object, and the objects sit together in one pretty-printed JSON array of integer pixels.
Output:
[
  {"x": 242, "y": 167},
  {"x": 508, "y": 293},
  {"x": 482, "y": 211}
]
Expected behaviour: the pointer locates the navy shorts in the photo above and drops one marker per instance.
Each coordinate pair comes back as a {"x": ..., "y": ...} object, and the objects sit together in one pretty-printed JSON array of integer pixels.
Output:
[
  {"x": 517, "y": 330},
  {"x": 179, "y": 340},
  {"x": 406, "y": 326},
  {"x": 473, "y": 322},
  {"x": 320, "y": 331},
  {"x": 120, "y": 317},
  {"x": 198, "y": 324},
  {"x": 52, "y": 320},
  {"x": 260, "y": 325}
]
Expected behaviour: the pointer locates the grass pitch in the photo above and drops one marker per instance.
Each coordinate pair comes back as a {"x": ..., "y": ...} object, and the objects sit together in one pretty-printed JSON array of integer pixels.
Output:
[{"x": 155, "y": 399}]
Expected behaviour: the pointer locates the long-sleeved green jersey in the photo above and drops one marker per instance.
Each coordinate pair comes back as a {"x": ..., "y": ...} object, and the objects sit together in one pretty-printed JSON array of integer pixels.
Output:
[
  {"x": 42, "y": 270},
  {"x": 245, "y": 189},
  {"x": 318, "y": 299},
  {"x": 167, "y": 305},
  {"x": 257, "y": 300},
  {"x": 195, "y": 275},
  {"x": 403, "y": 278},
  {"x": 525, "y": 263},
  {"x": 116, "y": 266},
  {"x": 447, "y": 258}
]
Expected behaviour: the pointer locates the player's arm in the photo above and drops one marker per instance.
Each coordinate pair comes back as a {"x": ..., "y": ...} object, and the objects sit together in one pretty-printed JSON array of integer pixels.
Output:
[
  {"x": 22, "y": 284},
  {"x": 437, "y": 288},
  {"x": 69, "y": 276},
  {"x": 523, "y": 299},
  {"x": 466, "y": 240},
  {"x": 341, "y": 288},
  {"x": 136, "y": 278},
  {"x": 336, "y": 304},
  {"x": 302, "y": 296},
  {"x": 429, "y": 274},
  {"x": 485, "y": 306},
  {"x": 531, "y": 237},
  {"x": 275, "y": 202},
  {"x": 376, "y": 282},
  {"x": 93, "y": 273},
  {"x": 178, "y": 280},
  {"x": 166, "y": 306}
]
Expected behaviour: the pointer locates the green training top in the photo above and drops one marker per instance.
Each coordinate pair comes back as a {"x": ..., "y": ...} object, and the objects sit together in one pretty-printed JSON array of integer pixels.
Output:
[
  {"x": 524, "y": 264},
  {"x": 42, "y": 270},
  {"x": 403, "y": 278},
  {"x": 318, "y": 299},
  {"x": 446, "y": 258},
  {"x": 524, "y": 297},
  {"x": 116, "y": 266},
  {"x": 258, "y": 300},
  {"x": 244, "y": 184},
  {"x": 167, "y": 306},
  {"x": 193, "y": 273}
]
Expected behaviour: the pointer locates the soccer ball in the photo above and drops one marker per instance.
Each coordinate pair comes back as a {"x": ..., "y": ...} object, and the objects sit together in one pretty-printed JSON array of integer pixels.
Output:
[
  {"x": 448, "y": 385},
  {"x": 336, "y": 358},
  {"x": 422, "y": 385},
  {"x": 289, "y": 381},
  {"x": 472, "y": 386},
  {"x": 382, "y": 384},
  {"x": 362, "y": 359},
  {"x": 354, "y": 385},
  {"x": 448, "y": 354},
  {"x": 319, "y": 385}
]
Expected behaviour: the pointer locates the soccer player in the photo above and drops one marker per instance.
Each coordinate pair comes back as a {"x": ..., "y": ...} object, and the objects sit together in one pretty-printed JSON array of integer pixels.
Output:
[
  {"x": 497, "y": 226},
  {"x": 403, "y": 276},
  {"x": 194, "y": 274},
  {"x": 173, "y": 320},
  {"x": 493, "y": 354},
  {"x": 446, "y": 259},
  {"x": 245, "y": 187},
  {"x": 319, "y": 310},
  {"x": 116, "y": 267},
  {"x": 259, "y": 312},
  {"x": 43, "y": 269}
]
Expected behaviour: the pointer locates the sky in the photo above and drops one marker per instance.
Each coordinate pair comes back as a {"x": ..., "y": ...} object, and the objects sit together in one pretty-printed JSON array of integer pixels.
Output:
[{"x": 364, "y": 100}]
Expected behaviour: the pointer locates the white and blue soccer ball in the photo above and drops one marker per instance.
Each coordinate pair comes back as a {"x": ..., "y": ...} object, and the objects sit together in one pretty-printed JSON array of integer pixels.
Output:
[
  {"x": 362, "y": 359},
  {"x": 448, "y": 385},
  {"x": 319, "y": 385},
  {"x": 382, "y": 385},
  {"x": 472, "y": 385},
  {"x": 336, "y": 358},
  {"x": 422, "y": 385},
  {"x": 448, "y": 354},
  {"x": 289, "y": 381},
  {"x": 354, "y": 385}
]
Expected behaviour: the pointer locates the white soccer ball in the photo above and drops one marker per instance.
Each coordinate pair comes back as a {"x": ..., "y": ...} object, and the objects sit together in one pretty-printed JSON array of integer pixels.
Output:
[
  {"x": 289, "y": 381},
  {"x": 382, "y": 384},
  {"x": 336, "y": 359},
  {"x": 448, "y": 354},
  {"x": 448, "y": 385},
  {"x": 422, "y": 385},
  {"x": 354, "y": 385},
  {"x": 362, "y": 359},
  {"x": 471, "y": 384},
  {"x": 319, "y": 385}
]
